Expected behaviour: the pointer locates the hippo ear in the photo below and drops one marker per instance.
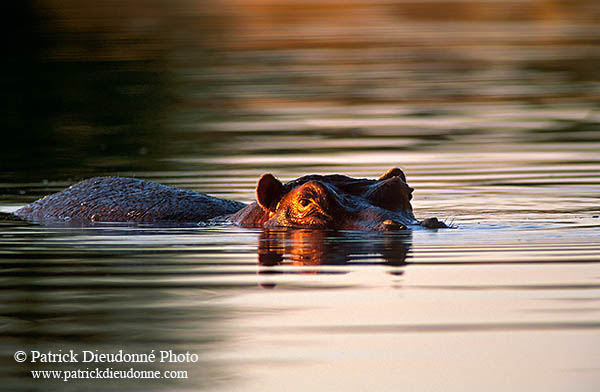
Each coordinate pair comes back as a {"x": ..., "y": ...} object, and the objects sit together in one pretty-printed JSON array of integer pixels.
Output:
[
  {"x": 269, "y": 191},
  {"x": 395, "y": 172}
]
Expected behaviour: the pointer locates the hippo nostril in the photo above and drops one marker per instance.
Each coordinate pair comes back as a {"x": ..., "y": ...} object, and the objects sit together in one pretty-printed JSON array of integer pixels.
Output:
[{"x": 433, "y": 223}]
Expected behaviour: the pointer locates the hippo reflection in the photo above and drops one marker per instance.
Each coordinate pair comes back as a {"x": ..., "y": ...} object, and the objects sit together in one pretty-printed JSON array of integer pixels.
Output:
[
  {"x": 320, "y": 247},
  {"x": 313, "y": 202}
]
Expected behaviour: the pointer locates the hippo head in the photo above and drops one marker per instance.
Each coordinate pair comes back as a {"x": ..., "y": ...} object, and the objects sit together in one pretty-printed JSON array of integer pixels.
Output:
[{"x": 331, "y": 202}]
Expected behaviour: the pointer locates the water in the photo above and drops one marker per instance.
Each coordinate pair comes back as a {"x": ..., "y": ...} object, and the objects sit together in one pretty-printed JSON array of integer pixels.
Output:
[{"x": 491, "y": 108}]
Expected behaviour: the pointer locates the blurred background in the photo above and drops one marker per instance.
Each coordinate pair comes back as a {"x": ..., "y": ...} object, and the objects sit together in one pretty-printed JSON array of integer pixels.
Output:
[{"x": 106, "y": 86}]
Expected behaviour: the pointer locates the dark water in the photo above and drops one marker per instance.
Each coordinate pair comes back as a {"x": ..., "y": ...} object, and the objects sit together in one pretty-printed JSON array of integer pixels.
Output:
[{"x": 491, "y": 108}]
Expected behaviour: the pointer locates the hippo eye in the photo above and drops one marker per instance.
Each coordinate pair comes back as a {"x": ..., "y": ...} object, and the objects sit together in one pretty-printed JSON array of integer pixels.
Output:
[{"x": 304, "y": 202}]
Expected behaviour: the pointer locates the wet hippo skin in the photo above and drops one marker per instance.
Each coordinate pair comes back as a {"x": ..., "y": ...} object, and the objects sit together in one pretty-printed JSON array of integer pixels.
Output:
[
  {"x": 122, "y": 199},
  {"x": 313, "y": 201}
]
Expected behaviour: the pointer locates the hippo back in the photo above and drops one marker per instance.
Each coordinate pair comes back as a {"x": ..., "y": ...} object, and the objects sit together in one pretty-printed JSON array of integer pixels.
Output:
[{"x": 121, "y": 199}]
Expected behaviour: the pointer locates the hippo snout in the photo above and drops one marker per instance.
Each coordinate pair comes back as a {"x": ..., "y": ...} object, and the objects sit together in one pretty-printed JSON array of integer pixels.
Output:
[{"x": 391, "y": 225}]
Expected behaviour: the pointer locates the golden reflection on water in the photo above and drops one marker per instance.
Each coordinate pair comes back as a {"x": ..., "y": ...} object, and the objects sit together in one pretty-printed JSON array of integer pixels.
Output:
[{"x": 321, "y": 248}]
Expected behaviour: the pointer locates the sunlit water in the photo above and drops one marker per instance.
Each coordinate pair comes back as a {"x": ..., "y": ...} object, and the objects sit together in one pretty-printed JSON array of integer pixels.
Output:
[{"x": 492, "y": 112}]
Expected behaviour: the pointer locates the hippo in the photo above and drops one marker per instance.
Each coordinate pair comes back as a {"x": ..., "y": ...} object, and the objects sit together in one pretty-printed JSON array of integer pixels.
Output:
[
  {"x": 312, "y": 202},
  {"x": 122, "y": 199}
]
